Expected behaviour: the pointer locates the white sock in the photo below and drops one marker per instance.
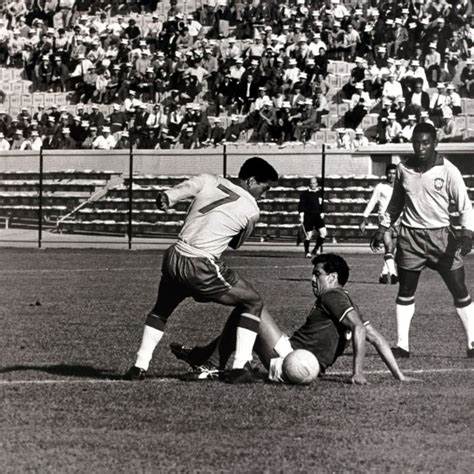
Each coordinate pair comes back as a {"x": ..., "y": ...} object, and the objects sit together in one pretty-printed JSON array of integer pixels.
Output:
[
  {"x": 385, "y": 270},
  {"x": 150, "y": 339},
  {"x": 283, "y": 346},
  {"x": 243, "y": 347},
  {"x": 404, "y": 316},
  {"x": 390, "y": 262},
  {"x": 466, "y": 315}
]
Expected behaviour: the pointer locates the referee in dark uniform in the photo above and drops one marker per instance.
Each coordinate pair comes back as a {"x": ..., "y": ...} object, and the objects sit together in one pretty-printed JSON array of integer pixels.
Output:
[{"x": 311, "y": 218}]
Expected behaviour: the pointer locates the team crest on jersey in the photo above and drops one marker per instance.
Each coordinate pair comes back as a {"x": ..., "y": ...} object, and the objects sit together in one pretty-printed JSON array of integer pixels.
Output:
[{"x": 438, "y": 184}]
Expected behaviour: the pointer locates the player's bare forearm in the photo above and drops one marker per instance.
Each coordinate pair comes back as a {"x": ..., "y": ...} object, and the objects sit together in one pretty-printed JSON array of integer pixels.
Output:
[
  {"x": 358, "y": 347},
  {"x": 382, "y": 347}
]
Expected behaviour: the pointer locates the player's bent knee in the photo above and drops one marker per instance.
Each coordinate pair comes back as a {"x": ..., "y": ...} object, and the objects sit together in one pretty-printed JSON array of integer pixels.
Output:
[{"x": 323, "y": 232}]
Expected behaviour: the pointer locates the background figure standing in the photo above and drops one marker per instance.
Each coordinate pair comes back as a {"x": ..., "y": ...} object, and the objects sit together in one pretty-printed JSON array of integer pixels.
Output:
[
  {"x": 380, "y": 198},
  {"x": 425, "y": 187},
  {"x": 311, "y": 217}
]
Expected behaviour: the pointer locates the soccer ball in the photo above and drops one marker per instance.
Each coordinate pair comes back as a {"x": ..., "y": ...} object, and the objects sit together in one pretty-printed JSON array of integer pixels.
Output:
[{"x": 300, "y": 367}]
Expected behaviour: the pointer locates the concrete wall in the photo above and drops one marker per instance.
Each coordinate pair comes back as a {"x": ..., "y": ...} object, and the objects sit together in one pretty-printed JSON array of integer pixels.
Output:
[{"x": 288, "y": 160}]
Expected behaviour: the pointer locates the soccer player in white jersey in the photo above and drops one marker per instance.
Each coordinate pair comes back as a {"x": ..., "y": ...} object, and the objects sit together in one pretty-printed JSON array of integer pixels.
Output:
[
  {"x": 222, "y": 214},
  {"x": 380, "y": 198},
  {"x": 425, "y": 186}
]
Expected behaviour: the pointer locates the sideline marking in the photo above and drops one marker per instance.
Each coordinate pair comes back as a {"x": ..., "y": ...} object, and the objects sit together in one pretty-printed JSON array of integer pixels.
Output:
[
  {"x": 171, "y": 380},
  {"x": 125, "y": 269}
]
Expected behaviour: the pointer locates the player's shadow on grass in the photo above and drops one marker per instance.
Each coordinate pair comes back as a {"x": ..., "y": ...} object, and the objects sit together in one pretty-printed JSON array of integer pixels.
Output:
[
  {"x": 85, "y": 371},
  {"x": 80, "y": 371}
]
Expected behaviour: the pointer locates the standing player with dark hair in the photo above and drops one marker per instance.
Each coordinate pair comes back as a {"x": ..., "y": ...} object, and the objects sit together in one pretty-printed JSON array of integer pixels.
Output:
[
  {"x": 380, "y": 199},
  {"x": 425, "y": 186},
  {"x": 311, "y": 218},
  {"x": 325, "y": 332},
  {"x": 222, "y": 214}
]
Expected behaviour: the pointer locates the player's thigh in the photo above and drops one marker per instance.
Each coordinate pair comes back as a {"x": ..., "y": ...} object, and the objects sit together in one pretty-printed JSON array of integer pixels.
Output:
[
  {"x": 240, "y": 293},
  {"x": 411, "y": 249},
  {"x": 170, "y": 295},
  {"x": 456, "y": 282},
  {"x": 323, "y": 232}
]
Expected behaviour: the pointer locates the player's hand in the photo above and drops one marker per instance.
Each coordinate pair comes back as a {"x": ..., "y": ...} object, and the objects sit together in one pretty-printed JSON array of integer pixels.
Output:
[
  {"x": 358, "y": 379},
  {"x": 465, "y": 241},
  {"x": 376, "y": 242},
  {"x": 362, "y": 226},
  {"x": 163, "y": 202}
]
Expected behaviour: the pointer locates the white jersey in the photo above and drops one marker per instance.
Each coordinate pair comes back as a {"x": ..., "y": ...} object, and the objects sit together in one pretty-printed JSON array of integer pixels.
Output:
[
  {"x": 423, "y": 199},
  {"x": 380, "y": 198},
  {"x": 220, "y": 211}
]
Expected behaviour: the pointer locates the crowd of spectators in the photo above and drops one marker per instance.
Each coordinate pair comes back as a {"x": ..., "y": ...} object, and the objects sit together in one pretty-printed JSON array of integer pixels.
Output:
[{"x": 233, "y": 70}]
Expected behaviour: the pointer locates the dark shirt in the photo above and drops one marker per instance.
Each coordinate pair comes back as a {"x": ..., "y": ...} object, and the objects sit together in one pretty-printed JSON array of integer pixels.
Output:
[
  {"x": 310, "y": 202},
  {"x": 323, "y": 332}
]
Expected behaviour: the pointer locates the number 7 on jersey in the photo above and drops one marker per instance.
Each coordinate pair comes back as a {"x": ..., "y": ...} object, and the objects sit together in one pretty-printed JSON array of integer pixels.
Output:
[{"x": 231, "y": 197}]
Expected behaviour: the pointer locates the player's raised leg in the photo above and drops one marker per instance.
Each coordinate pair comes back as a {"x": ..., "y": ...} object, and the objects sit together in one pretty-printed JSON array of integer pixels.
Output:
[
  {"x": 169, "y": 297},
  {"x": 405, "y": 310},
  {"x": 456, "y": 282}
]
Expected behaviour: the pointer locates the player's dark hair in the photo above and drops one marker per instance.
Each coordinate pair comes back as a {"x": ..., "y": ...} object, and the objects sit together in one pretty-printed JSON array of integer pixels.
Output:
[
  {"x": 258, "y": 168},
  {"x": 425, "y": 127},
  {"x": 390, "y": 167},
  {"x": 333, "y": 263}
]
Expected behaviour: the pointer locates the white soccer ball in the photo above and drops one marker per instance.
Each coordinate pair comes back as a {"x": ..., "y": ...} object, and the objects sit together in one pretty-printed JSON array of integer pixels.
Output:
[{"x": 300, "y": 367}]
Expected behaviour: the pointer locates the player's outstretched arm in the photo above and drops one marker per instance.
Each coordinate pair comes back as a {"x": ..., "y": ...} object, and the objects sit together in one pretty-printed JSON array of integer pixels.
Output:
[
  {"x": 353, "y": 321},
  {"x": 383, "y": 348}
]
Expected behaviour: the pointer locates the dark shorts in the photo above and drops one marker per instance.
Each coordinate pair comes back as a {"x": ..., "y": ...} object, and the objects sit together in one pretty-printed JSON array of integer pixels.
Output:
[
  {"x": 432, "y": 248},
  {"x": 202, "y": 278},
  {"x": 313, "y": 221}
]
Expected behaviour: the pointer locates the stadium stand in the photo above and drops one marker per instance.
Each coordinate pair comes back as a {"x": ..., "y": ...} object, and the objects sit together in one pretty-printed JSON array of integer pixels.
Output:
[{"x": 192, "y": 74}]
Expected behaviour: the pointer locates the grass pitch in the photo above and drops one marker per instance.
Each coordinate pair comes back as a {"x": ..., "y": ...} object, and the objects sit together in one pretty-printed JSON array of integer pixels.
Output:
[{"x": 72, "y": 321}]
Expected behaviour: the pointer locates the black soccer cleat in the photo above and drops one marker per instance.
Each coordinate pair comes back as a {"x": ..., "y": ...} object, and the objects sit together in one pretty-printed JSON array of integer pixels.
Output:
[
  {"x": 183, "y": 353},
  {"x": 470, "y": 353},
  {"x": 238, "y": 376},
  {"x": 383, "y": 279},
  {"x": 400, "y": 353},
  {"x": 393, "y": 279},
  {"x": 135, "y": 373}
]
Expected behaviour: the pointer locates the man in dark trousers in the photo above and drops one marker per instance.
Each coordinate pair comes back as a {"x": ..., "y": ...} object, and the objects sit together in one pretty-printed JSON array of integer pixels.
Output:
[{"x": 311, "y": 217}]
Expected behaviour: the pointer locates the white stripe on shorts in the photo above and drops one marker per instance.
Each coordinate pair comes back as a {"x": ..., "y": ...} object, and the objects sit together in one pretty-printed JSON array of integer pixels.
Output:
[{"x": 219, "y": 274}]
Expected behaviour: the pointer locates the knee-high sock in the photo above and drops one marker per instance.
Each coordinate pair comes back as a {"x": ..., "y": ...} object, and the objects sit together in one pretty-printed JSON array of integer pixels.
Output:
[
  {"x": 466, "y": 314},
  {"x": 150, "y": 339},
  {"x": 246, "y": 334},
  {"x": 306, "y": 246},
  {"x": 152, "y": 334},
  {"x": 319, "y": 243},
  {"x": 405, "y": 311}
]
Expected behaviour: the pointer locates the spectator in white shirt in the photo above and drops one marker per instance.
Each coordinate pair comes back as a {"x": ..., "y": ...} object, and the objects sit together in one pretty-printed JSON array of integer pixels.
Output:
[
  {"x": 407, "y": 130},
  {"x": 36, "y": 141},
  {"x": 4, "y": 143},
  {"x": 360, "y": 140},
  {"x": 392, "y": 88},
  {"x": 393, "y": 130},
  {"x": 453, "y": 99}
]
